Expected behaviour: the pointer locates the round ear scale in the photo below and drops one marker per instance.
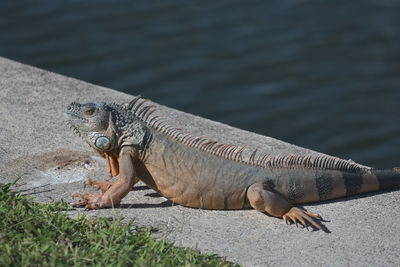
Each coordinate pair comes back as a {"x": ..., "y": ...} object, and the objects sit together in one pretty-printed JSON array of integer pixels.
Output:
[{"x": 103, "y": 143}]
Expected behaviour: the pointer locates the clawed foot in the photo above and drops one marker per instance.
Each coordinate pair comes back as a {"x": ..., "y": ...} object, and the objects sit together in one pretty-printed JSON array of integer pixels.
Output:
[
  {"x": 88, "y": 200},
  {"x": 296, "y": 215},
  {"x": 103, "y": 186}
]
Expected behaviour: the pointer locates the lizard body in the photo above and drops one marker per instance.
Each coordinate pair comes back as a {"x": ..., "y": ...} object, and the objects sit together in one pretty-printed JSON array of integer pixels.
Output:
[{"x": 201, "y": 173}]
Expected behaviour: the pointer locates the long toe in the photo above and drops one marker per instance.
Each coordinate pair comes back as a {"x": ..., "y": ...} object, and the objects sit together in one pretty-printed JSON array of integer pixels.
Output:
[{"x": 304, "y": 217}]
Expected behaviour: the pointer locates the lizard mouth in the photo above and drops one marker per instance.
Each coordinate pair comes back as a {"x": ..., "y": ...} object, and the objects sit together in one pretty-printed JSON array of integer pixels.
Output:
[
  {"x": 72, "y": 112},
  {"x": 72, "y": 117},
  {"x": 73, "y": 127}
]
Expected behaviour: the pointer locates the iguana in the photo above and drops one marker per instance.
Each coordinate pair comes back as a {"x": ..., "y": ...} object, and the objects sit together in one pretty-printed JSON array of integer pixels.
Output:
[{"x": 198, "y": 172}]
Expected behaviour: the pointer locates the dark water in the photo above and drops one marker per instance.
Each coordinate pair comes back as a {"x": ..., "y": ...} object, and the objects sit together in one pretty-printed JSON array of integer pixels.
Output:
[{"x": 320, "y": 74}]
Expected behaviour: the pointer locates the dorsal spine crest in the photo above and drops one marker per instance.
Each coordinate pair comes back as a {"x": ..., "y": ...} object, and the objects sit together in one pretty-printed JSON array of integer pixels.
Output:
[{"x": 145, "y": 113}]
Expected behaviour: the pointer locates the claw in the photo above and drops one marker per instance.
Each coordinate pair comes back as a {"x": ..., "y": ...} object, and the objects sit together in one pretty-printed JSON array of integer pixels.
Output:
[
  {"x": 79, "y": 203},
  {"x": 297, "y": 215},
  {"x": 78, "y": 195},
  {"x": 313, "y": 215},
  {"x": 286, "y": 219},
  {"x": 103, "y": 185},
  {"x": 88, "y": 200}
]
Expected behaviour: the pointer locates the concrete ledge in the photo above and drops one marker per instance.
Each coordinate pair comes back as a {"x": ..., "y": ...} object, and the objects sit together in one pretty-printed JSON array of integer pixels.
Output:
[{"x": 36, "y": 142}]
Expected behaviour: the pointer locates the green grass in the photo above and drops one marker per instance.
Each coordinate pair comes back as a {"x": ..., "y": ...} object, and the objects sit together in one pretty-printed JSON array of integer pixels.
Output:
[{"x": 33, "y": 234}]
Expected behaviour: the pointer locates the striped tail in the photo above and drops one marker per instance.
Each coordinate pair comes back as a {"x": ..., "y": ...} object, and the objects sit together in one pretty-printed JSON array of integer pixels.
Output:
[
  {"x": 331, "y": 184},
  {"x": 387, "y": 178}
]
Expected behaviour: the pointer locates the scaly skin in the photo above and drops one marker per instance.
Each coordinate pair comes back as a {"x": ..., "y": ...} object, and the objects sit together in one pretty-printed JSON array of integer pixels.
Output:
[{"x": 201, "y": 173}]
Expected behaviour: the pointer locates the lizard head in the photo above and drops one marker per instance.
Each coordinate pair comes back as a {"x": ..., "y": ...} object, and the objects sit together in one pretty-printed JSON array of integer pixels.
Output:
[
  {"x": 93, "y": 121},
  {"x": 106, "y": 127}
]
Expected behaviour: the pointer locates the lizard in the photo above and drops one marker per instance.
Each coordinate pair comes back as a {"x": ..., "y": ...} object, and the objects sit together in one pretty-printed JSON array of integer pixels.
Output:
[{"x": 199, "y": 172}]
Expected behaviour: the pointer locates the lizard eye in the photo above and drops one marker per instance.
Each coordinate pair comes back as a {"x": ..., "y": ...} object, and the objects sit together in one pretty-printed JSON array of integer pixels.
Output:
[{"x": 89, "y": 111}]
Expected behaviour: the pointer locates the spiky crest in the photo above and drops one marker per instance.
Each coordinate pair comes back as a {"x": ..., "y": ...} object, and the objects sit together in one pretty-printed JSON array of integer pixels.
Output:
[{"x": 144, "y": 113}]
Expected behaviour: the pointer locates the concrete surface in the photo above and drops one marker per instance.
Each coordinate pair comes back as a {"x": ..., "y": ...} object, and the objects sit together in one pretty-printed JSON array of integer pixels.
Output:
[{"x": 35, "y": 142}]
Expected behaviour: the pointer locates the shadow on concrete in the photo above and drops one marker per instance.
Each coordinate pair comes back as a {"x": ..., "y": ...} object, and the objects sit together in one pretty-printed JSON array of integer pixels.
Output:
[
  {"x": 352, "y": 197},
  {"x": 140, "y": 188},
  {"x": 34, "y": 188},
  {"x": 38, "y": 192},
  {"x": 155, "y": 195},
  {"x": 165, "y": 204}
]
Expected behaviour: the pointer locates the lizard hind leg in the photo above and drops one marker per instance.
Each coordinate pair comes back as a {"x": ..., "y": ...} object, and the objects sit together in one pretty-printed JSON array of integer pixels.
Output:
[{"x": 263, "y": 199}]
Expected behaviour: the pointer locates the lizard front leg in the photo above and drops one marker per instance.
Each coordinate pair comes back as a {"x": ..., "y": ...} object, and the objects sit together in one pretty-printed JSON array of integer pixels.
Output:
[
  {"x": 118, "y": 190},
  {"x": 102, "y": 186},
  {"x": 113, "y": 170}
]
